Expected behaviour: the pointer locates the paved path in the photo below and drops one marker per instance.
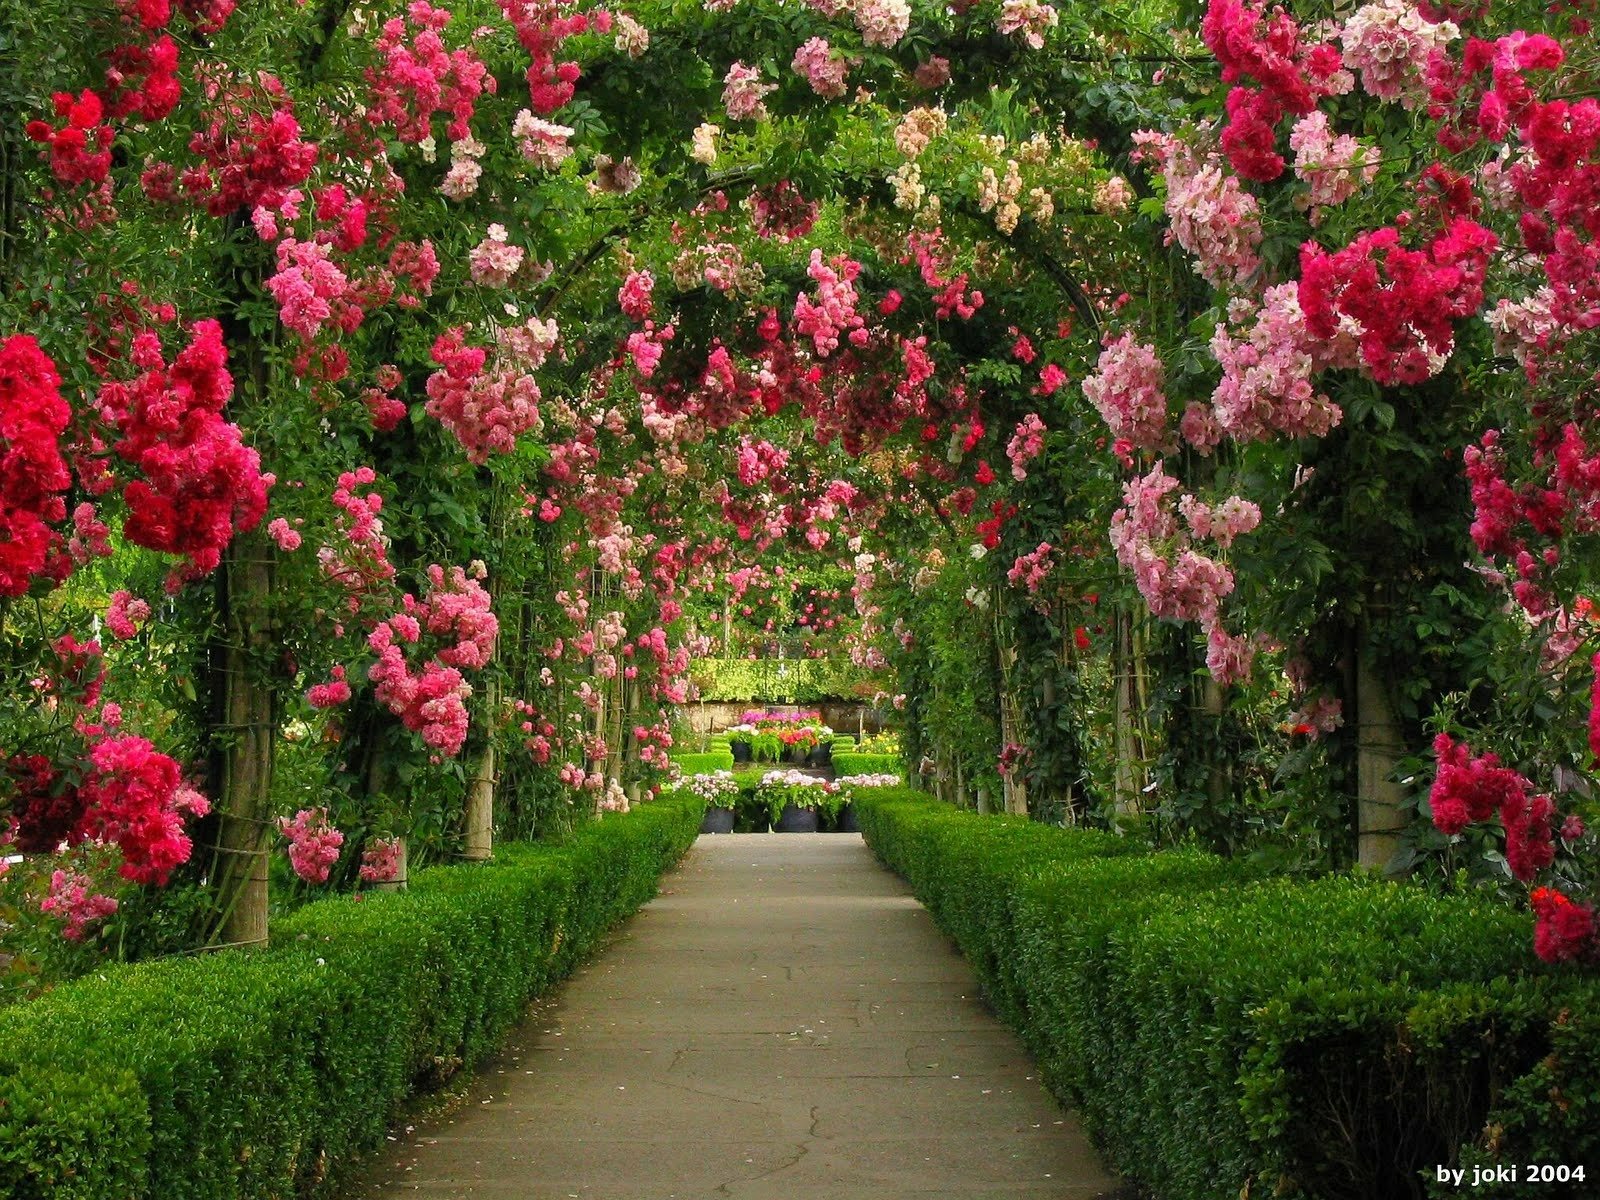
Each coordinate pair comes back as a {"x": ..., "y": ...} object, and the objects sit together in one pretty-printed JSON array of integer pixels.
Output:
[{"x": 783, "y": 1023}]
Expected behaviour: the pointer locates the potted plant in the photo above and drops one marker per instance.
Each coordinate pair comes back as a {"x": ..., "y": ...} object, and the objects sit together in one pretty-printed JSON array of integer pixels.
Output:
[
  {"x": 821, "y": 753},
  {"x": 739, "y": 739},
  {"x": 797, "y": 743},
  {"x": 766, "y": 746},
  {"x": 832, "y": 807},
  {"x": 793, "y": 800},
  {"x": 720, "y": 791}
]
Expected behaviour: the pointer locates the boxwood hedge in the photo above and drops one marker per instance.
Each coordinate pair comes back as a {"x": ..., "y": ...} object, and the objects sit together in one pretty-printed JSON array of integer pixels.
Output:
[
  {"x": 718, "y": 758},
  {"x": 1223, "y": 1035},
  {"x": 854, "y": 762},
  {"x": 241, "y": 1075}
]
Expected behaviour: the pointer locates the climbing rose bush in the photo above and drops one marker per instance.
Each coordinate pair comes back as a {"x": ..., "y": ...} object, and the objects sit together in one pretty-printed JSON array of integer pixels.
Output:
[{"x": 314, "y": 843}]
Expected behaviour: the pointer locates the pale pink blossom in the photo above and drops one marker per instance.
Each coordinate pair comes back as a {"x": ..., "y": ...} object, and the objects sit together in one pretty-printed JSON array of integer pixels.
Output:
[
  {"x": 824, "y": 68},
  {"x": 1126, "y": 389},
  {"x": 72, "y": 898},
  {"x": 742, "y": 93},
  {"x": 1389, "y": 44},
  {"x": 1210, "y": 214},
  {"x": 494, "y": 261},
  {"x": 1029, "y": 18},
  {"x": 882, "y": 22},
  {"x": 541, "y": 142}
]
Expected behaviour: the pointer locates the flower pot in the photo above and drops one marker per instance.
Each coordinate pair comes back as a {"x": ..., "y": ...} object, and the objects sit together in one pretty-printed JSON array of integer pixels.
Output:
[
  {"x": 821, "y": 755},
  {"x": 795, "y": 819},
  {"x": 741, "y": 751},
  {"x": 795, "y": 754},
  {"x": 846, "y": 821},
  {"x": 718, "y": 820}
]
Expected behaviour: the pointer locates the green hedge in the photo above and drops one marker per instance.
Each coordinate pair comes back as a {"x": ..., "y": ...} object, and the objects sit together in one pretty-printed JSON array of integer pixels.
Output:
[
  {"x": 236, "y": 1076},
  {"x": 853, "y": 762},
  {"x": 1333, "y": 1039},
  {"x": 714, "y": 759}
]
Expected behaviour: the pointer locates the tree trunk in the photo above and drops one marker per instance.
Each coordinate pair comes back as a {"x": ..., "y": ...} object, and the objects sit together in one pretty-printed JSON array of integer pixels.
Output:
[
  {"x": 1379, "y": 747},
  {"x": 242, "y": 746}
]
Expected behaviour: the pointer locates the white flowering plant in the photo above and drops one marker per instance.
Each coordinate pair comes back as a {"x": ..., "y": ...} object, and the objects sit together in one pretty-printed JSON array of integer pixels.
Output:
[
  {"x": 719, "y": 789},
  {"x": 868, "y": 781},
  {"x": 781, "y": 788}
]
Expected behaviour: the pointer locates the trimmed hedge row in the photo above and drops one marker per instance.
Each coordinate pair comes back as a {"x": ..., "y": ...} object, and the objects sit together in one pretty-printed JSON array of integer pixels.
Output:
[
  {"x": 854, "y": 762},
  {"x": 1223, "y": 1035},
  {"x": 237, "y": 1076},
  {"x": 715, "y": 759}
]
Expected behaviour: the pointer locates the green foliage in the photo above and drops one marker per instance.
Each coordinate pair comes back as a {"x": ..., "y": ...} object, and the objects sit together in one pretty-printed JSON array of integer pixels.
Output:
[
  {"x": 1551, "y": 1114},
  {"x": 265, "y": 1074},
  {"x": 1224, "y": 1036},
  {"x": 766, "y": 747},
  {"x": 71, "y": 1136},
  {"x": 850, "y": 762},
  {"x": 789, "y": 681},
  {"x": 698, "y": 764}
]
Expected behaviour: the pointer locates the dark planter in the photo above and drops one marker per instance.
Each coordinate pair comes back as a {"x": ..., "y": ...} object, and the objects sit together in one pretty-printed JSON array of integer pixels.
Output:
[
  {"x": 846, "y": 821},
  {"x": 795, "y": 819},
  {"x": 749, "y": 815},
  {"x": 741, "y": 751},
  {"x": 718, "y": 820},
  {"x": 821, "y": 755},
  {"x": 795, "y": 755}
]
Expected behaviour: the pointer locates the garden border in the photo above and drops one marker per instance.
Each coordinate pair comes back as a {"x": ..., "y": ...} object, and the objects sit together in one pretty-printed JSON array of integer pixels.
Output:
[
  {"x": 1219, "y": 1032},
  {"x": 243, "y": 1075}
]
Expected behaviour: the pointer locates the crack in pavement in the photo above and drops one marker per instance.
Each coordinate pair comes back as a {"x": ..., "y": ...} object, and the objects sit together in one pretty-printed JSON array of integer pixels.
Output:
[
  {"x": 800, "y": 1152},
  {"x": 683, "y": 1087}
]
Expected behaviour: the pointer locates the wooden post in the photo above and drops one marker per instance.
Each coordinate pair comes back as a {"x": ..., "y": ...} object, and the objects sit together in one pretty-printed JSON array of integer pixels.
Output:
[
  {"x": 1213, "y": 702},
  {"x": 479, "y": 817},
  {"x": 242, "y": 744},
  {"x": 1124, "y": 741},
  {"x": 399, "y": 882},
  {"x": 1379, "y": 747}
]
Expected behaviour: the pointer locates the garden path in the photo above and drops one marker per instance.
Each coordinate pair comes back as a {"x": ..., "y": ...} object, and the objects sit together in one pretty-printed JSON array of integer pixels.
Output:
[{"x": 783, "y": 1021}]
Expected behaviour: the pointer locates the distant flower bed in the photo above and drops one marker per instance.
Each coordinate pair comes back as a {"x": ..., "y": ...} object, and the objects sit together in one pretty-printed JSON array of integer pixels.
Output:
[{"x": 769, "y": 734}]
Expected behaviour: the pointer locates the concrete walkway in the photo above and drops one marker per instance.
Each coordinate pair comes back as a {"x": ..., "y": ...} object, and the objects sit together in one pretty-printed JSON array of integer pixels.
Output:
[{"x": 783, "y": 1022}]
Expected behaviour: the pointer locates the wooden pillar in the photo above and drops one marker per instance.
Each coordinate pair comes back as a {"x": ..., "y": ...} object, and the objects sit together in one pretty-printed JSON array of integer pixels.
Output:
[
  {"x": 1213, "y": 702},
  {"x": 1124, "y": 738},
  {"x": 401, "y": 871},
  {"x": 479, "y": 818},
  {"x": 243, "y": 744},
  {"x": 1379, "y": 748}
]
